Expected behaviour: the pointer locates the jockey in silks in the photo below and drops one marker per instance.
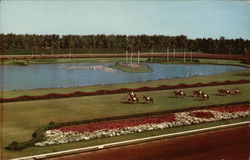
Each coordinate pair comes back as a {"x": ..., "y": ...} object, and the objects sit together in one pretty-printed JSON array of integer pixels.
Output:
[{"x": 132, "y": 94}]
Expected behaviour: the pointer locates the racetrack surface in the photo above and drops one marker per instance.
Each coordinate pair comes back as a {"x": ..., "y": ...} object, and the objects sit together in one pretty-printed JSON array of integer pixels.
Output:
[
  {"x": 142, "y": 55},
  {"x": 227, "y": 144}
]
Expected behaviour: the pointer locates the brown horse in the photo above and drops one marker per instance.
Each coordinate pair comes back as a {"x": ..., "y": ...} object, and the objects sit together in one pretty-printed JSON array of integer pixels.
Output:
[
  {"x": 133, "y": 100},
  {"x": 205, "y": 96},
  {"x": 197, "y": 93},
  {"x": 224, "y": 92},
  {"x": 179, "y": 94},
  {"x": 148, "y": 99},
  {"x": 235, "y": 91}
]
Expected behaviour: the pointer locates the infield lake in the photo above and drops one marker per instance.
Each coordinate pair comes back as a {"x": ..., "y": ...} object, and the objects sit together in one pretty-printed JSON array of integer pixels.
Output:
[{"x": 85, "y": 74}]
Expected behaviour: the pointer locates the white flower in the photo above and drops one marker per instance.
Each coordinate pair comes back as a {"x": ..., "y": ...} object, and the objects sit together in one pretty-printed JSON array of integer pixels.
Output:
[{"x": 182, "y": 118}]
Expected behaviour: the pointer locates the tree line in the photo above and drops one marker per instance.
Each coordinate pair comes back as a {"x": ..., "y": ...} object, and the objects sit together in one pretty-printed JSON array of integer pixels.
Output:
[{"x": 120, "y": 43}]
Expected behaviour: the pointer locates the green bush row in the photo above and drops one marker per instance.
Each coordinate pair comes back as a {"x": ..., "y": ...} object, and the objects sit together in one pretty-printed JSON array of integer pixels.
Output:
[{"x": 38, "y": 135}]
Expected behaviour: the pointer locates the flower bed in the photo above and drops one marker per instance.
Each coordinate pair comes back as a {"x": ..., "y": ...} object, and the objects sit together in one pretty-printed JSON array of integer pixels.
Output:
[
  {"x": 76, "y": 133},
  {"x": 202, "y": 114}
]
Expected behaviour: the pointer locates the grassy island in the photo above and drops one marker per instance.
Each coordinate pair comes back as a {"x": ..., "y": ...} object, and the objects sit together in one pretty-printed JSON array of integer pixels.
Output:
[{"x": 134, "y": 68}]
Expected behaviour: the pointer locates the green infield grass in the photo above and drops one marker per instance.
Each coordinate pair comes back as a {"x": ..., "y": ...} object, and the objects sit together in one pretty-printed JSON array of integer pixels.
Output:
[
  {"x": 21, "y": 119},
  {"x": 67, "y": 60},
  {"x": 198, "y": 61}
]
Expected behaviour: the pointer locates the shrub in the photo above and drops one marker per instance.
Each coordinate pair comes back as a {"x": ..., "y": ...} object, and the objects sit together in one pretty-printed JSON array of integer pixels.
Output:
[
  {"x": 21, "y": 63},
  {"x": 51, "y": 123},
  {"x": 14, "y": 143}
]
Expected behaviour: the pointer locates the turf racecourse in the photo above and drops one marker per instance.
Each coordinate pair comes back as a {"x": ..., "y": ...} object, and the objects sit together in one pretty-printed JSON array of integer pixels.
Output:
[{"x": 22, "y": 118}]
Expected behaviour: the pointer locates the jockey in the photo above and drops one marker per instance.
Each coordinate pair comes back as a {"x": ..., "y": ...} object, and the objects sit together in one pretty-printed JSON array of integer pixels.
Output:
[{"x": 132, "y": 94}]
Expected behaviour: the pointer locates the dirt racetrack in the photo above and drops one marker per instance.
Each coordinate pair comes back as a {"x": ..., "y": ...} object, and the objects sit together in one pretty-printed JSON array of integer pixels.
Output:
[
  {"x": 145, "y": 55},
  {"x": 227, "y": 144}
]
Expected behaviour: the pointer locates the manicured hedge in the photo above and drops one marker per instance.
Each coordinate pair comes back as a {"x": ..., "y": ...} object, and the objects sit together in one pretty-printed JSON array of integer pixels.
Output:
[
  {"x": 38, "y": 135},
  {"x": 121, "y": 90}
]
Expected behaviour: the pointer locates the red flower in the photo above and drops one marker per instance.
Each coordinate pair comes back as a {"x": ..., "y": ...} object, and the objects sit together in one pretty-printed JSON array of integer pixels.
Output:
[
  {"x": 202, "y": 114},
  {"x": 91, "y": 127}
]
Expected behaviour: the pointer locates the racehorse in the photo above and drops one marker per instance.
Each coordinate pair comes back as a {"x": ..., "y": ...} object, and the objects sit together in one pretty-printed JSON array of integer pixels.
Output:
[
  {"x": 197, "y": 93},
  {"x": 235, "y": 91},
  {"x": 224, "y": 92},
  {"x": 205, "y": 96},
  {"x": 133, "y": 100},
  {"x": 148, "y": 99},
  {"x": 179, "y": 94}
]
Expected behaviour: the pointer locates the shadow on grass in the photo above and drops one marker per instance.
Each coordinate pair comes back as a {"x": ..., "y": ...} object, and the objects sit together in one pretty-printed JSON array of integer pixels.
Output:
[
  {"x": 177, "y": 97},
  {"x": 134, "y": 103},
  {"x": 173, "y": 97},
  {"x": 201, "y": 99}
]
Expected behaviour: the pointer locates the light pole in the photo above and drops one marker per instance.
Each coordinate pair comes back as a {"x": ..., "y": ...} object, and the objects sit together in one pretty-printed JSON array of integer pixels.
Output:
[
  {"x": 191, "y": 56},
  {"x": 174, "y": 53},
  {"x": 126, "y": 56},
  {"x": 167, "y": 54},
  {"x": 152, "y": 55},
  {"x": 184, "y": 57},
  {"x": 131, "y": 59},
  {"x": 138, "y": 59}
]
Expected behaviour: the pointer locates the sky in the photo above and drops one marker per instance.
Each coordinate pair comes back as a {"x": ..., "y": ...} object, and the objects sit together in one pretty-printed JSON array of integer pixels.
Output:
[{"x": 193, "y": 18}]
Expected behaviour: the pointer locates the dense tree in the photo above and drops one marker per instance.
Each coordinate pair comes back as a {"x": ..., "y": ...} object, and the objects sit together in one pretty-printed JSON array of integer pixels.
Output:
[{"x": 119, "y": 43}]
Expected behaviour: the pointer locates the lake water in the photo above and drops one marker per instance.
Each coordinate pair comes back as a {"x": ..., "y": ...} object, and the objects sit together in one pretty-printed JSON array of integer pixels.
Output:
[{"x": 86, "y": 74}]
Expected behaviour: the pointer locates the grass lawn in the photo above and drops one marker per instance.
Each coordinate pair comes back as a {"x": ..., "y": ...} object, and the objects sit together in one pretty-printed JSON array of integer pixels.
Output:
[
  {"x": 21, "y": 119},
  {"x": 199, "y": 61},
  {"x": 67, "y": 60}
]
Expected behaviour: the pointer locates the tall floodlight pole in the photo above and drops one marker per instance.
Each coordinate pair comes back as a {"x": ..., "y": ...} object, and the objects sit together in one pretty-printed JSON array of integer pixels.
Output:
[
  {"x": 167, "y": 54},
  {"x": 138, "y": 59},
  {"x": 69, "y": 52},
  {"x": 191, "y": 56},
  {"x": 152, "y": 55},
  {"x": 174, "y": 52},
  {"x": 51, "y": 51},
  {"x": 184, "y": 58},
  {"x": 131, "y": 59},
  {"x": 126, "y": 56}
]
